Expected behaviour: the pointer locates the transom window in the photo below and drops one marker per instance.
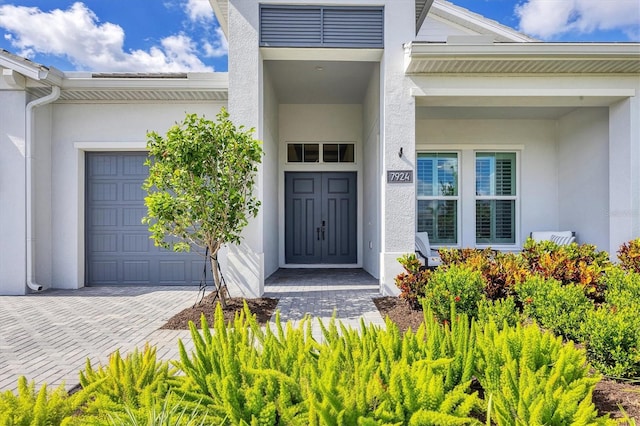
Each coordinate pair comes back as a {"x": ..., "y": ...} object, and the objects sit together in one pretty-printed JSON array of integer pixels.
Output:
[
  {"x": 437, "y": 191},
  {"x": 316, "y": 153},
  {"x": 496, "y": 197}
]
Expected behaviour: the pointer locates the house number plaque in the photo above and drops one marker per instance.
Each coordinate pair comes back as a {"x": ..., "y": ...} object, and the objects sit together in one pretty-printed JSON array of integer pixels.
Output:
[{"x": 399, "y": 176}]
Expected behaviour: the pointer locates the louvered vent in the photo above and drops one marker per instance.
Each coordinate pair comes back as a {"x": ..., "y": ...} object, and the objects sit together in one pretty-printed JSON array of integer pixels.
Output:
[{"x": 320, "y": 26}]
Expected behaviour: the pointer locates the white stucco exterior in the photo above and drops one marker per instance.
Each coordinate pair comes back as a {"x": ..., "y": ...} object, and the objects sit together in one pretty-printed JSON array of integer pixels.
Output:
[{"x": 458, "y": 84}]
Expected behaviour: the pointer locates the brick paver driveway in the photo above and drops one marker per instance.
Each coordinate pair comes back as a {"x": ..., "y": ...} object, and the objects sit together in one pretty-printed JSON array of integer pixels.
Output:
[{"x": 47, "y": 337}]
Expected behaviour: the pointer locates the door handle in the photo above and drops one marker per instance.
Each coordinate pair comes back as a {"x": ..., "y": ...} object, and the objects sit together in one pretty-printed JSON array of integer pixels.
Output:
[
  {"x": 323, "y": 227},
  {"x": 318, "y": 232}
]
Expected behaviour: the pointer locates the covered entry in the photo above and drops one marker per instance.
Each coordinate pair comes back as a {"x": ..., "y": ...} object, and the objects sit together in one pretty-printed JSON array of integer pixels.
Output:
[
  {"x": 118, "y": 248},
  {"x": 320, "y": 218}
]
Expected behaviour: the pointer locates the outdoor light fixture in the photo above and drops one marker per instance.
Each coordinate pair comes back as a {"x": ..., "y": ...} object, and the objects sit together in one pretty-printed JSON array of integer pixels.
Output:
[{"x": 400, "y": 153}]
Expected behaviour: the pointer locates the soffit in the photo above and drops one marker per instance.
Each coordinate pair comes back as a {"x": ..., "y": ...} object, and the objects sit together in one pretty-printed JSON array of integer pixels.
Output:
[
  {"x": 82, "y": 87},
  {"x": 522, "y": 58},
  {"x": 221, "y": 9},
  {"x": 319, "y": 82}
]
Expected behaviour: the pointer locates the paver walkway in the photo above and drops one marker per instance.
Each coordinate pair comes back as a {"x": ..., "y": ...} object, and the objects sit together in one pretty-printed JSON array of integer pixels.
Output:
[{"x": 47, "y": 337}]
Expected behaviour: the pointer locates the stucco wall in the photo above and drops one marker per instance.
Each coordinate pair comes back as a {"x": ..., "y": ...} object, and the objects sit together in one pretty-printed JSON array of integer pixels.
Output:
[
  {"x": 534, "y": 140},
  {"x": 371, "y": 176},
  {"x": 110, "y": 126},
  {"x": 398, "y": 131},
  {"x": 12, "y": 193},
  {"x": 270, "y": 201},
  {"x": 246, "y": 261},
  {"x": 583, "y": 175}
]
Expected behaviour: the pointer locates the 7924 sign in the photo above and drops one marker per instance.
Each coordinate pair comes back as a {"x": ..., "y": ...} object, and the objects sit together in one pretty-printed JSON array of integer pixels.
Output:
[{"x": 399, "y": 176}]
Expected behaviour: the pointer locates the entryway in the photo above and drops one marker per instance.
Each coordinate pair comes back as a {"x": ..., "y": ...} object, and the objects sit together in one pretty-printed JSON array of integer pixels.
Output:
[{"x": 320, "y": 218}]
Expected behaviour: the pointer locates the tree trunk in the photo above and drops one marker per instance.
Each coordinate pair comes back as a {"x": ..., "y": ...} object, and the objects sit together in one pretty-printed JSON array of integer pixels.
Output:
[{"x": 216, "y": 276}]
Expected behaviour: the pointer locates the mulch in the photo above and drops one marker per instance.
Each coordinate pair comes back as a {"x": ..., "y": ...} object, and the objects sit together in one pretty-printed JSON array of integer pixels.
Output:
[{"x": 262, "y": 308}]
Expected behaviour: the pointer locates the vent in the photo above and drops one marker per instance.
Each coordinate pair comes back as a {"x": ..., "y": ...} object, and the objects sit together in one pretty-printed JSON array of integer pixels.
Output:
[{"x": 320, "y": 26}]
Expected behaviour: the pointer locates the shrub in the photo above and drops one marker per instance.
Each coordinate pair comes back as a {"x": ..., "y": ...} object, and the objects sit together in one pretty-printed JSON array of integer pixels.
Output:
[
  {"x": 560, "y": 308},
  {"x": 573, "y": 263},
  {"x": 613, "y": 340},
  {"x": 504, "y": 272},
  {"x": 412, "y": 283},
  {"x": 500, "y": 271},
  {"x": 457, "y": 284},
  {"x": 531, "y": 378},
  {"x": 502, "y": 312},
  {"x": 629, "y": 255},
  {"x": 622, "y": 288},
  {"x": 455, "y": 256},
  {"x": 29, "y": 407}
]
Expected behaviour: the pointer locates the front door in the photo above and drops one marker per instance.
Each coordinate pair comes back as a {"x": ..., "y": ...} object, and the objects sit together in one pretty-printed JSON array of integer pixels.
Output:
[{"x": 320, "y": 218}]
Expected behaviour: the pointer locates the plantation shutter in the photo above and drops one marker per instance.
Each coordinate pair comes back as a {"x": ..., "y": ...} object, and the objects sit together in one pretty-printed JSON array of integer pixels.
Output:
[
  {"x": 496, "y": 201},
  {"x": 437, "y": 190}
]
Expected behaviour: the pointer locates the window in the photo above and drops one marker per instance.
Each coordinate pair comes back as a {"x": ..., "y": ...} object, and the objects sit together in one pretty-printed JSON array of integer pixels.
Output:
[
  {"x": 310, "y": 153},
  {"x": 496, "y": 198},
  {"x": 437, "y": 191}
]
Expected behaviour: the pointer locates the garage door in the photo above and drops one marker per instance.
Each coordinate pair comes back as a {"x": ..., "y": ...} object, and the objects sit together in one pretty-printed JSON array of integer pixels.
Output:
[{"x": 118, "y": 248}]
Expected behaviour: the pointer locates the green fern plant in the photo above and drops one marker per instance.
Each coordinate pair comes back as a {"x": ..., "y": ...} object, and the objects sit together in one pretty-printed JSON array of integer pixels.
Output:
[
  {"x": 136, "y": 381},
  {"x": 31, "y": 407},
  {"x": 246, "y": 374},
  {"x": 531, "y": 378}
]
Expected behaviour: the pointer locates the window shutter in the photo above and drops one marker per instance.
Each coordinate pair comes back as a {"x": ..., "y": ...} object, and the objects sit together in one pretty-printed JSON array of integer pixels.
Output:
[
  {"x": 321, "y": 26},
  {"x": 290, "y": 26},
  {"x": 353, "y": 27}
]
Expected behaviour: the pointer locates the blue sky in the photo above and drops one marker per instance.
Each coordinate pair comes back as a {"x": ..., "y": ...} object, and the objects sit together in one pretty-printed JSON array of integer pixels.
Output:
[{"x": 183, "y": 35}]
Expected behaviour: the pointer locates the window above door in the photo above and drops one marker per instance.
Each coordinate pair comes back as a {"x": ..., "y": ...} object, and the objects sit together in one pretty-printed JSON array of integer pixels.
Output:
[{"x": 320, "y": 153}]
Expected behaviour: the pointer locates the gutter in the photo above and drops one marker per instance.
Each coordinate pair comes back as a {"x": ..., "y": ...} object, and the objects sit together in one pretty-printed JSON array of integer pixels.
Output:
[{"x": 29, "y": 185}]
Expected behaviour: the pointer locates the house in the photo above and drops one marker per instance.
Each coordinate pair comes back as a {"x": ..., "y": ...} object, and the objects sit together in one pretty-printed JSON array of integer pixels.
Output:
[{"x": 379, "y": 118}]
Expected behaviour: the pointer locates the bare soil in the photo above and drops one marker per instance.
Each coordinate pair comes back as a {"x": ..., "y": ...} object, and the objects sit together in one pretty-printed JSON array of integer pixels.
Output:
[{"x": 608, "y": 393}]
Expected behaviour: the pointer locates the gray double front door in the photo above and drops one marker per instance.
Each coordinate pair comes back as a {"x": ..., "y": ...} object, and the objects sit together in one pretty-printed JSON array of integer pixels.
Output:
[{"x": 320, "y": 218}]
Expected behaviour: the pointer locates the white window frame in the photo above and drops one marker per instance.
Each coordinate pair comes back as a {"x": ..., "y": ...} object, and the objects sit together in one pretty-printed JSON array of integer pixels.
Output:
[
  {"x": 515, "y": 198},
  {"x": 457, "y": 197}
]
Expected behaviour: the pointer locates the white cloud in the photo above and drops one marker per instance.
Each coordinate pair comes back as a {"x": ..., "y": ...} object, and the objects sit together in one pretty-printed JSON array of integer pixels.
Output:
[
  {"x": 199, "y": 10},
  {"x": 218, "y": 48},
  {"x": 77, "y": 34},
  {"x": 549, "y": 18}
]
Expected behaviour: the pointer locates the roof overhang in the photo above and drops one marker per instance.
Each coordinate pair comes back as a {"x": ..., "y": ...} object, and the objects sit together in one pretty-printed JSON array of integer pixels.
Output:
[
  {"x": 29, "y": 69},
  {"x": 221, "y": 9},
  {"x": 522, "y": 58},
  {"x": 83, "y": 87}
]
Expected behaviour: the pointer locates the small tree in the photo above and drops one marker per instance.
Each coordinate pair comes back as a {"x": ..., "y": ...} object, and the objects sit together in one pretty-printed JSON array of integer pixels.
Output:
[{"x": 201, "y": 177}]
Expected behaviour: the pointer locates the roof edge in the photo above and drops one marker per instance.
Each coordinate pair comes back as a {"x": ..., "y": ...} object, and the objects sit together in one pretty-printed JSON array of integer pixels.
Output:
[{"x": 476, "y": 22}]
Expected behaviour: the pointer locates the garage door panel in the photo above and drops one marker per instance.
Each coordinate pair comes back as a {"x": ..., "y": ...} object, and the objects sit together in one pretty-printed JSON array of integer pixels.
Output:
[
  {"x": 103, "y": 217},
  {"x": 104, "y": 191},
  {"x": 136, "y": 243},
  {"x": 133, "y": 192},
  {"x": 136, "y": 271},
  {"x": 104, "y": 272},
  {"x": 133, "y": 216},
  {"x": 103, "y": 243},
  {"x": 118, "y": 247}
]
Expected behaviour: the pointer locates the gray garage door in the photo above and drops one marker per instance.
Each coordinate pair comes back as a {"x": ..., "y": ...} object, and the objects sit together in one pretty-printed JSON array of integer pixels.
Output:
[{"x": 118, "y": 248}]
